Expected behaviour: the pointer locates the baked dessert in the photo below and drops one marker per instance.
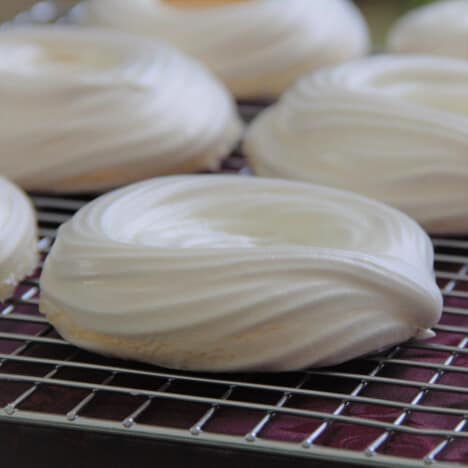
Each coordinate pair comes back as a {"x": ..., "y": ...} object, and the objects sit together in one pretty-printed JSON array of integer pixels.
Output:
[
  {"x": 175, "y": 272},
  {"x": 18, "y": 237},
  {"x": 88, "y": 110},
  {"x": 437, "y": 29},
  {"x": 394, "y": 128},
  {"x": 258, "y": 47}
]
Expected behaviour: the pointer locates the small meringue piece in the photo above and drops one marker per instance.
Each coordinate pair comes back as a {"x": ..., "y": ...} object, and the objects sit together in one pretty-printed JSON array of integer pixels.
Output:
[
  {"x": 258, "y": 47},
  {"x": 86, "y": 110},
  {"x": 176, "y": 272},
  {"x": 437, "y": 29},
  {"x": 18, "y": 237},
  {"x": 394, "y": 128}
]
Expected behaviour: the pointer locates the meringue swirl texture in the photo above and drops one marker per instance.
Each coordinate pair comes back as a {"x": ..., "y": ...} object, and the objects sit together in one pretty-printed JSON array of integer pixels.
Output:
[
  {"x": 176, "y": 272},
  {"x": 437, "y": 29},
  {"x": 257, "y": 47},
  {"x": 394, "y": 128},
  {"x": 18, "y": 237},
  {"x": 86, "y": 110}
]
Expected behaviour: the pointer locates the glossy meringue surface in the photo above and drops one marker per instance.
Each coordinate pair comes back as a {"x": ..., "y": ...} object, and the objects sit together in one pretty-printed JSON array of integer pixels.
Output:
[
  {"x": 437, "y": 29},
  {"x": 88, "y": 110},
  {"x": 257, "y": 47},
  {"x": 18, "y": 237},
  {"x": 176, "y": 272},
  {"x": 394, "y": 128}
]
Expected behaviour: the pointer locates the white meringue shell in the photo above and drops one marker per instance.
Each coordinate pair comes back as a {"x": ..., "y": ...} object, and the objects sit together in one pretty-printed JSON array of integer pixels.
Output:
[
  {"x": 18, "y": 237},
  {"x": 257, "y": 47},
  {"x": 87, "y": 110},
  {"x": 394, "y": 128},
  {"x": 437, "y": 29},
  {"x": 177, "y": 272}
]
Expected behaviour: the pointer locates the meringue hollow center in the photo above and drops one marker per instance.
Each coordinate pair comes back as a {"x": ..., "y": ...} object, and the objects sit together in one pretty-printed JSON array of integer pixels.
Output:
[{"x": 204, "y": 221}]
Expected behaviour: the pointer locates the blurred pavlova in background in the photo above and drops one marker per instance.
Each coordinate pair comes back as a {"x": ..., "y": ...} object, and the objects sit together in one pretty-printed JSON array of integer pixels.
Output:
[{"x": 380, "y": 14}]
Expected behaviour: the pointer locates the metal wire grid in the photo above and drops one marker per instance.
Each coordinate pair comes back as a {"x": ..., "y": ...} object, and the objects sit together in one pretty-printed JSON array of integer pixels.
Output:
[{"x": 35, "y": 362}]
